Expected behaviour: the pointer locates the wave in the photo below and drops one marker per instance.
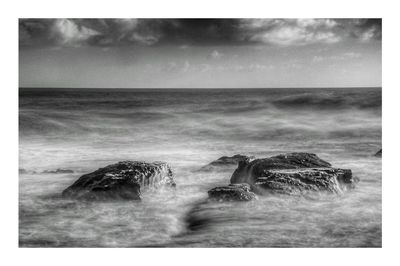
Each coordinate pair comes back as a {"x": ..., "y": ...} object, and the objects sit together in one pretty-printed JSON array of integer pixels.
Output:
[
  {"x": 223, "y": 116},
  {"x": 330, "y": 100}
]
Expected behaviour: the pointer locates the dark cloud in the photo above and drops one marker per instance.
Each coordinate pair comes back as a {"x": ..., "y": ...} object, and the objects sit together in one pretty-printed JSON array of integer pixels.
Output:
[
  {"x": 119, "y": 32},
  {"x": 366, "y": 29},
  {"x": 34, "y": 31},
  {"x": 203, "y": 31}
]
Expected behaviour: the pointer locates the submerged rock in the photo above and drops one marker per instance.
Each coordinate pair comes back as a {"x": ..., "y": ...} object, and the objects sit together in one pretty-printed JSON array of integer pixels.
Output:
[
  {"x": 210, "y": 211},
  {"x": 22, "y": 171},
  {"x": 379, "y": 153},
  {"x": 232, "y": 192},
  {"x": 201, "y": 216},
  {"x": 58, "y": 171},
  {"x": 122, "y": 180},
  {"x": 300, "y": 181},
  {"x": 248, "y": 171},
  {"x": 206, "y": 214},
  {"x": 225, "y": 162}
]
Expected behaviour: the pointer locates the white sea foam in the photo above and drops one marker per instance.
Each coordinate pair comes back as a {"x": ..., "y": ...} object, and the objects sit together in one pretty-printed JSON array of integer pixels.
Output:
[{"x": 85, "y": 130}]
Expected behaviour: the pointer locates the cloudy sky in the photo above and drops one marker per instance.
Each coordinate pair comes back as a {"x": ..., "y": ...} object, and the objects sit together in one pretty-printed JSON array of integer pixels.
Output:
[{"x": 196, "y": 53}]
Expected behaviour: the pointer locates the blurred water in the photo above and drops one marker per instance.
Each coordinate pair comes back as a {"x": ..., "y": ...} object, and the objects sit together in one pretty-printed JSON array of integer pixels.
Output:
[{"x": 83, "y": 130}]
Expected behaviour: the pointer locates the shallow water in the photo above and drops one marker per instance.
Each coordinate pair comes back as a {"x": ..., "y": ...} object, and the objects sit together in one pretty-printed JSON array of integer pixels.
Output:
[{"x": 83, "y": 130}]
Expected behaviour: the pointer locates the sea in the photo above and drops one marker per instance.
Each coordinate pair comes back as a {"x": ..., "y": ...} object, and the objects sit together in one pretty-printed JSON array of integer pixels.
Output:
[{"x": 82, "y": 130}]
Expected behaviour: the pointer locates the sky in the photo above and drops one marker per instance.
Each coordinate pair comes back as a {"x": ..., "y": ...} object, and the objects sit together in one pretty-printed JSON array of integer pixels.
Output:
[{"x": 200, "y": 53}]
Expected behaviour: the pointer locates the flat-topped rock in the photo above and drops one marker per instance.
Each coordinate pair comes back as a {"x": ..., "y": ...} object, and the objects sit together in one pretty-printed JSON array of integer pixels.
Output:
[
  {"x": 226, "y": 162},
  {"x": 249, "y": 170},
  {"x": 122, "y": 180},
  {"x": 304, "y": 180},
  {"x": 232, "y": 192}
]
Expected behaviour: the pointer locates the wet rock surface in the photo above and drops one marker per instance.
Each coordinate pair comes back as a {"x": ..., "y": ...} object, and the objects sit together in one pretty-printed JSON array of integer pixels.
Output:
[
  {"x": 293, "y": 173},
  {"x": 249, "y": 170},
  {"x": 232, "y": 192},
  {"x": 301, "y": 181},
  {"x": 122, "y": 180},
  {"x": 226, "y": 162}
]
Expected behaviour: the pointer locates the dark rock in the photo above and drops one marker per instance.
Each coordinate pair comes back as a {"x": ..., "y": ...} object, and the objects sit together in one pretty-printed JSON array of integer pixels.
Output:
[
  {"x": 58, "y": 171},
  {"x": 304, "y": 180},
  {"x": 379, "y": 153},
  {"x": 122, "y": 180},
  {"x": 226, "y": 162},
  {"x": 249, "y": 170},
  {"x": 232, "y": 192},
  {"x": 293, "y": 173},
  {"x": 22, "y": 171}
]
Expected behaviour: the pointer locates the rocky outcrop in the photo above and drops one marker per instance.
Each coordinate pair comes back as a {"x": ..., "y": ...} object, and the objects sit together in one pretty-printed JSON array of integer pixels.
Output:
[
  {"x": 122, "y": 180},
  {"x": 305, "y": 180},
  {"x": 293, "y": 173},
  {"x": 58, "y": 171},
  {"x": 249, "y": 170},
  {"x": 225, "y": 162},
  {"x": 232, "y": 192},
  {"x": 379, "y": 153}
]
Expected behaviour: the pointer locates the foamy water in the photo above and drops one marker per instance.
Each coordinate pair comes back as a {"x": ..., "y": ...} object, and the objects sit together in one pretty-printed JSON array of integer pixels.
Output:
[{"x": 83, "y": 130}]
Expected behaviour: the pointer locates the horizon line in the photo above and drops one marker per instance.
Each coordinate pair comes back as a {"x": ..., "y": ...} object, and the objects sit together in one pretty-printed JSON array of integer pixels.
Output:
[{"x": 201, "y": 88}]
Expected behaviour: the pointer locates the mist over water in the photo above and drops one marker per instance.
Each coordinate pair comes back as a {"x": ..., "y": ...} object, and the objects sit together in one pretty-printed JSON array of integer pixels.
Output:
[{"x": 83, "y": 130}]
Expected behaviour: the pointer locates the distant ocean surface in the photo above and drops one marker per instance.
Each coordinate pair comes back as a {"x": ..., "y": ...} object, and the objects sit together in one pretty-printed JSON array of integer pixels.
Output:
[{"x": 85, "y": 129}]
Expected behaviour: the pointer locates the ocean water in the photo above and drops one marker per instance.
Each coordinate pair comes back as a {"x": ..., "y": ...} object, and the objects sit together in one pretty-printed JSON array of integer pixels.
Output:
[{"x": 85, "y": 129}]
